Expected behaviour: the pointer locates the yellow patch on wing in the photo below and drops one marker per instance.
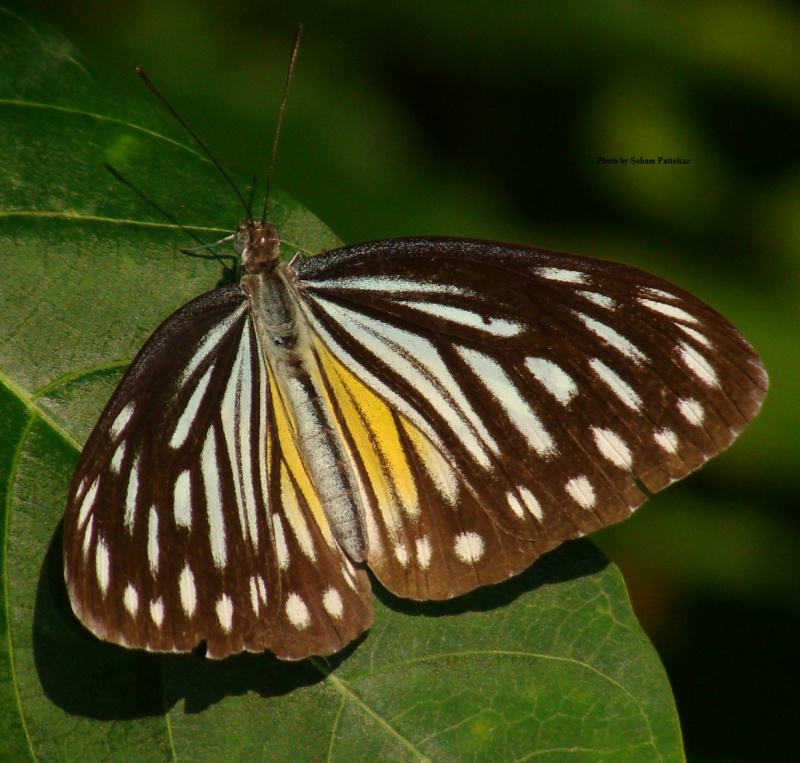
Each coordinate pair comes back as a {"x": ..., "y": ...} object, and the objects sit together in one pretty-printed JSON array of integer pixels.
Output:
[{"x": 375, "y": 435}]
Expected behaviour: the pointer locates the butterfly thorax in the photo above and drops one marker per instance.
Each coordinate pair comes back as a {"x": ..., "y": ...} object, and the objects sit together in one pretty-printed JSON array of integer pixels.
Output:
[{"x": 258, "y": 243}]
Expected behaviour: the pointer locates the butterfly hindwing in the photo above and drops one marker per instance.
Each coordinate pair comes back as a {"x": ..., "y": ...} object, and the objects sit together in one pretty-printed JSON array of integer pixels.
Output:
[{"x": 186, "y": 522}]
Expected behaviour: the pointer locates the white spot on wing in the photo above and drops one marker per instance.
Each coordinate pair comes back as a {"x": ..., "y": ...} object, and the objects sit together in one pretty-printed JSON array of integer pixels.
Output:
[
  {"x": 102, "y": 565},
  {"x": 564, "y": 276},
  {"x": 182, "y": 500},
  {"x": 347, "y": 574},
  {"x": 297, "y": 612},
  {"x": 87, "y": 536},
  {"x": 515, "y": 504},
  {"x": 553, "y": 378},
  {"x": 531, "y": 504},
  {"x": 424, "y": 552},
  {"x": 582, "y": 492},
  {"x": 437, "y": 467},
  {"x": 152, "y": 541},
  {"x": 620, "y": 388},
  {"x": 253, "y": 594},
  {"x": 667, "y": 440},
  {"x": 130, "y": 599},
  {"x": 157, "y": 611},
  {"x": 671, "y": 311},
  {"x": 401, "y": 553},
  {"x": 118, "y": 457},
  {"x": 612, "y": 447},
  {"x": 224, "y": 608},
  {"x": 469, "y": 547},
  {"x": 692, "y": 411},
  {"x": 121, "y": 421},
  {"x": 187, "y": 590},
  {"x": 698, "y": 365},
  {"x": 332, "y": 601},
  {"x": 236, "y": 428},
  {"x": 81, "y": 488},
  {"x": 281, "y": 549}
]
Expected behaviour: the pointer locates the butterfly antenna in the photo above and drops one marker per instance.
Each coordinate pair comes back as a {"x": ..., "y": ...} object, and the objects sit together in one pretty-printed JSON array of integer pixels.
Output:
[
  {"x": 295, "y": 48},
  {"x": 154, "y": 90}
]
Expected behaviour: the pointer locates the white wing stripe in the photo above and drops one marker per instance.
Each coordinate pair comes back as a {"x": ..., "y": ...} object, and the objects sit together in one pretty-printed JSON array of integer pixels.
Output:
[
  {"x": 152, "y": 541},
  {"x": 182, "y": 500},
  {"x": 601, "y": 300},
  {"x": 102, "y": 564},
  {"x": 246, "y": 450},
  {"x": 698, "y": 365},
  {"x": 498, "y": 383},
  {"x": 696, "y": 335},
  {"x": 121, "y": 421},
  {"x": 671, "y": 311},
  {"x": 88, "y": 502},
  {"x": 119, "y": 457},
  {"x": 281, "y": 549},
  {"x": 390, "y": 284},
  {"x": 620, "y": 388},
  {"x": 209, "y": 467},
  {"x": 213, "y": 338},
  {"x": 189, "y": 414},
  {"x": 562, "y": 275},
  {"x": 487, "y": 324},
  {"x": 132, "y": 493},
  {"x": 236, "y": 429},
  {"x": 294, "y": 516},
  {"x": 613, "y": 337},
  {"x": 531, "y": 503},
  {"x": 553, "y": 378},
  {"x": 262, "y": 435}
]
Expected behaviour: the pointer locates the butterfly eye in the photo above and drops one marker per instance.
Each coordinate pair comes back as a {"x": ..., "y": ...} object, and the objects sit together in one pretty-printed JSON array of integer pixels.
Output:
[{"x": 240, "y": 240}]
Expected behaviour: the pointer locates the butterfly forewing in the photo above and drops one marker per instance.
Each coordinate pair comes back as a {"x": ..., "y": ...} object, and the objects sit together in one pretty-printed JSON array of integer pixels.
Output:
[
  {"x": 482, "y": 402},
  {"x": 533, "y": 392}
]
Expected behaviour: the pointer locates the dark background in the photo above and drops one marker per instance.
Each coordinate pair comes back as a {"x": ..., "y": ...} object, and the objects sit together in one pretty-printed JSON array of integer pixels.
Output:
[{"x": 486, "y": 119}]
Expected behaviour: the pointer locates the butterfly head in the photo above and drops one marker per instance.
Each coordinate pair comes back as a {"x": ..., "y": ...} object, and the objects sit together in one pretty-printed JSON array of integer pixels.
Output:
[{"x": 258, "y": 243}]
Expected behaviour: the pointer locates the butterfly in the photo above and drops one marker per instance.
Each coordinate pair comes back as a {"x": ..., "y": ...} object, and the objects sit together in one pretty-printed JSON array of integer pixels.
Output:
[{"x": 440, "y": 411}]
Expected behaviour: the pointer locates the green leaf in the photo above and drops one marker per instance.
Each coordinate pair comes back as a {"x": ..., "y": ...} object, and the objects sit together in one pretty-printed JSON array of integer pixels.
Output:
[{"x": 551, "y": 665}]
